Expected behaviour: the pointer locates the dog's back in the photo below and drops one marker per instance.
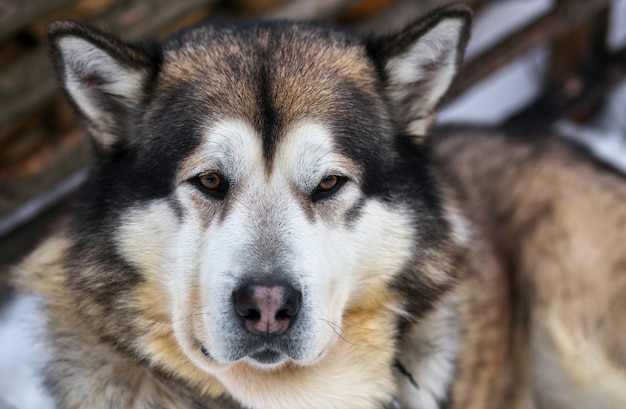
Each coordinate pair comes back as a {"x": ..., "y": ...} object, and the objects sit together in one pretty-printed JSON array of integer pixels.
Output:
[{"x": 555, "y": 220}]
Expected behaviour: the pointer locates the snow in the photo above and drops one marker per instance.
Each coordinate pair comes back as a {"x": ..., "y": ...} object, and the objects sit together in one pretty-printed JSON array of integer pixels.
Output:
[
  {"x": 488, "y": 102},
  {"x": 20, "y": 356},
  {"x": 617, "y": 28},
  {"x": 495, "y": 21}
]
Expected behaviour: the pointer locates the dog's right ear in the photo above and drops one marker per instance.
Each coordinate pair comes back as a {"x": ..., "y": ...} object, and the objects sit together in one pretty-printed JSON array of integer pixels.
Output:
[
  {"x": 419, "y": 63},
  {"x": 104, "y": 78}
]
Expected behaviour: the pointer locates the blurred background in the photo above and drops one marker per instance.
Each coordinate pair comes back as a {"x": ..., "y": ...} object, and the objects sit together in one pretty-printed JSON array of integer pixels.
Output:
[{"x": 529, "y": 64}]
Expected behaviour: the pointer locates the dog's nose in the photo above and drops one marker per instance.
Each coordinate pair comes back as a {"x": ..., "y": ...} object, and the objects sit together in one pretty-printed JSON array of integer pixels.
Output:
[{"x": 267, "y": 309}]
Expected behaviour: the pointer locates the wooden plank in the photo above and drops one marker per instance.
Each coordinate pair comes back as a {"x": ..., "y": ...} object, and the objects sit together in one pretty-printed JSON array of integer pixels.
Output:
[
  {"x": 581, "y": 72},
  {"x": 365, "y": 9},
  {"x": 243, "y": 9},
  {"x": 565, "y": 15},
  {"x": 16, "y": 14},
  {"x": 43, "y": 169},
  {"x": 40, "y": 128},
  {"x": 579, "y": 44},
  {"x": 308, "y": 9},
  {"x": 576, "y": 94},
  {"x": 29, "y": 81},
  {"x": 140, "y": 18},
  {"x": 398, "y": 15},
  {"x": 25, "y": 84},
  {"x": 83, "y": 10},
  {"x": 23, "y": 240}
]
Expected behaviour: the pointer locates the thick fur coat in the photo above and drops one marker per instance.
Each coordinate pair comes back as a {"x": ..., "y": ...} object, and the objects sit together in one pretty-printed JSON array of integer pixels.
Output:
[{"x": 269, "y": 223}]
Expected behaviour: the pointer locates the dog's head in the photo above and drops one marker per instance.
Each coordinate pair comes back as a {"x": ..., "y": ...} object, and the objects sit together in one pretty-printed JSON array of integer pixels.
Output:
[{"x": 257, "y": 186}]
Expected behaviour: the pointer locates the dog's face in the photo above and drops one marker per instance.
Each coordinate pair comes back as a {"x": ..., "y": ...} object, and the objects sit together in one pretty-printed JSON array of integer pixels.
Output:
[{"x": 257, "y": 184}]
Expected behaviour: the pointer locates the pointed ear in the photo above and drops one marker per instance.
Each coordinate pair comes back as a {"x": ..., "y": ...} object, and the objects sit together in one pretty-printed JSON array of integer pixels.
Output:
[
  {"x": 419, "y": 63},
  {"x": 104, "y": 78}
]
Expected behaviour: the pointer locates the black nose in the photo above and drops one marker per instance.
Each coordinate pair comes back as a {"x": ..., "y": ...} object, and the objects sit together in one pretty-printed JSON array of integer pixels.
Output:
[{"x": 267, "y": 308}]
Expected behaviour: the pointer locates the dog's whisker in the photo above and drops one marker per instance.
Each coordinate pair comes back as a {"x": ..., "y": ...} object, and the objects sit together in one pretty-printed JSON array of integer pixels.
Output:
[
  {"x": 337, "y": 330},
  {"x": 358, "y": 326},
  {"x": 193, "y": 313}
]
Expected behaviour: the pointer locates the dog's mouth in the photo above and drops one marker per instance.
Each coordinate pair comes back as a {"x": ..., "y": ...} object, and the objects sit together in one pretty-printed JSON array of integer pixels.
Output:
[
  {"x": 268, "y": 357},
  {"x": 265, "y": 356}
]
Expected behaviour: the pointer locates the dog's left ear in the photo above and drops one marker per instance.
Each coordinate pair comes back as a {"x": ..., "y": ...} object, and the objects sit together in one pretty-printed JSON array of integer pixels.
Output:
[
  {"x": 419, "y": 63},
  {"x": 104, "y": 78}
]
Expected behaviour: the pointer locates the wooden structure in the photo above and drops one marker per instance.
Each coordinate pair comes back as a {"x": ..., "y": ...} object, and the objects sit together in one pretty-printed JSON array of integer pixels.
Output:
[{"x": 42, "y": 150}]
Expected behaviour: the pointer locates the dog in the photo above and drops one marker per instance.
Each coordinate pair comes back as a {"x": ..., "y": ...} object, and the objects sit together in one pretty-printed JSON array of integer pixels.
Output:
[{"x": 270, "y": 222}]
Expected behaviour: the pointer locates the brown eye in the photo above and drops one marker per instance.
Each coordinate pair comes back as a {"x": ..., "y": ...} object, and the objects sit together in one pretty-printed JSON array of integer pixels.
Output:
[
  {"x": 210, "y": 181},
  {"x": 328, "y": 187},
  {"x": 328, "y": 183}
]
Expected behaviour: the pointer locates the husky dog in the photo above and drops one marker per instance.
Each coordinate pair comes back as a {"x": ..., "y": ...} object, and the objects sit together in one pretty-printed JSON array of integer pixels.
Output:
[{"x": 268, "y": 225}]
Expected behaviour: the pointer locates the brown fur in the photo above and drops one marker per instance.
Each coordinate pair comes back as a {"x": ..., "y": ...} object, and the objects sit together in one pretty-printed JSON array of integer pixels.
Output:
[{"x": 548, "y": 283}]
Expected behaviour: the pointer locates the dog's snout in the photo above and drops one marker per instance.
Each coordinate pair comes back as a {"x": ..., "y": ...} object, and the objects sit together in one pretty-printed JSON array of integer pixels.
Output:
[{"x": 267, "y": 309}]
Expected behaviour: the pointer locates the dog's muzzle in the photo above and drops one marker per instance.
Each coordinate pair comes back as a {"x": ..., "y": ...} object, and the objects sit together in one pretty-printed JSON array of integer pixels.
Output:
[{"x": 265, "y": 312}]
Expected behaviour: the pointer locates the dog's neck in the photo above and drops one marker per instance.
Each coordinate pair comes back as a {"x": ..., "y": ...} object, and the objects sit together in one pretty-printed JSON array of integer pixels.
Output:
[{"x": 424, "y": 378}]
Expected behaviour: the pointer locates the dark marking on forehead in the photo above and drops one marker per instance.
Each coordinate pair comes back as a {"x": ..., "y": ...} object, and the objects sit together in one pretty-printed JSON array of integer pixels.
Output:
[
  {"x": 276, "y": 74},
  {"x": 268, "y": 121}
]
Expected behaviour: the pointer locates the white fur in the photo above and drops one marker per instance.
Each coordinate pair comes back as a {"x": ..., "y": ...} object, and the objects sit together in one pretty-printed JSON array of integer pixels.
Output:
[
  {"x": 309, "y": 154},
  {"x": 325, "y": 258},
  {"x": 81, "y": 59},
  {"x": 153, "y": 223},
  {"x": 438, "y": 48},
  {"x": 436, "y": 339},
  {"x": 437, "y": 44},
  {"x": 232, "y": 147},
  {"x": 461, "y": 227}
]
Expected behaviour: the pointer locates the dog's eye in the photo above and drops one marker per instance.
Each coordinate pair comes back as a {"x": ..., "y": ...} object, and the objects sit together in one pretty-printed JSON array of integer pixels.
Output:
[
  {"x": 328, "y": 183},
  {"x": 212, "y": 183},
  {"x": 327, "y": 186}
]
